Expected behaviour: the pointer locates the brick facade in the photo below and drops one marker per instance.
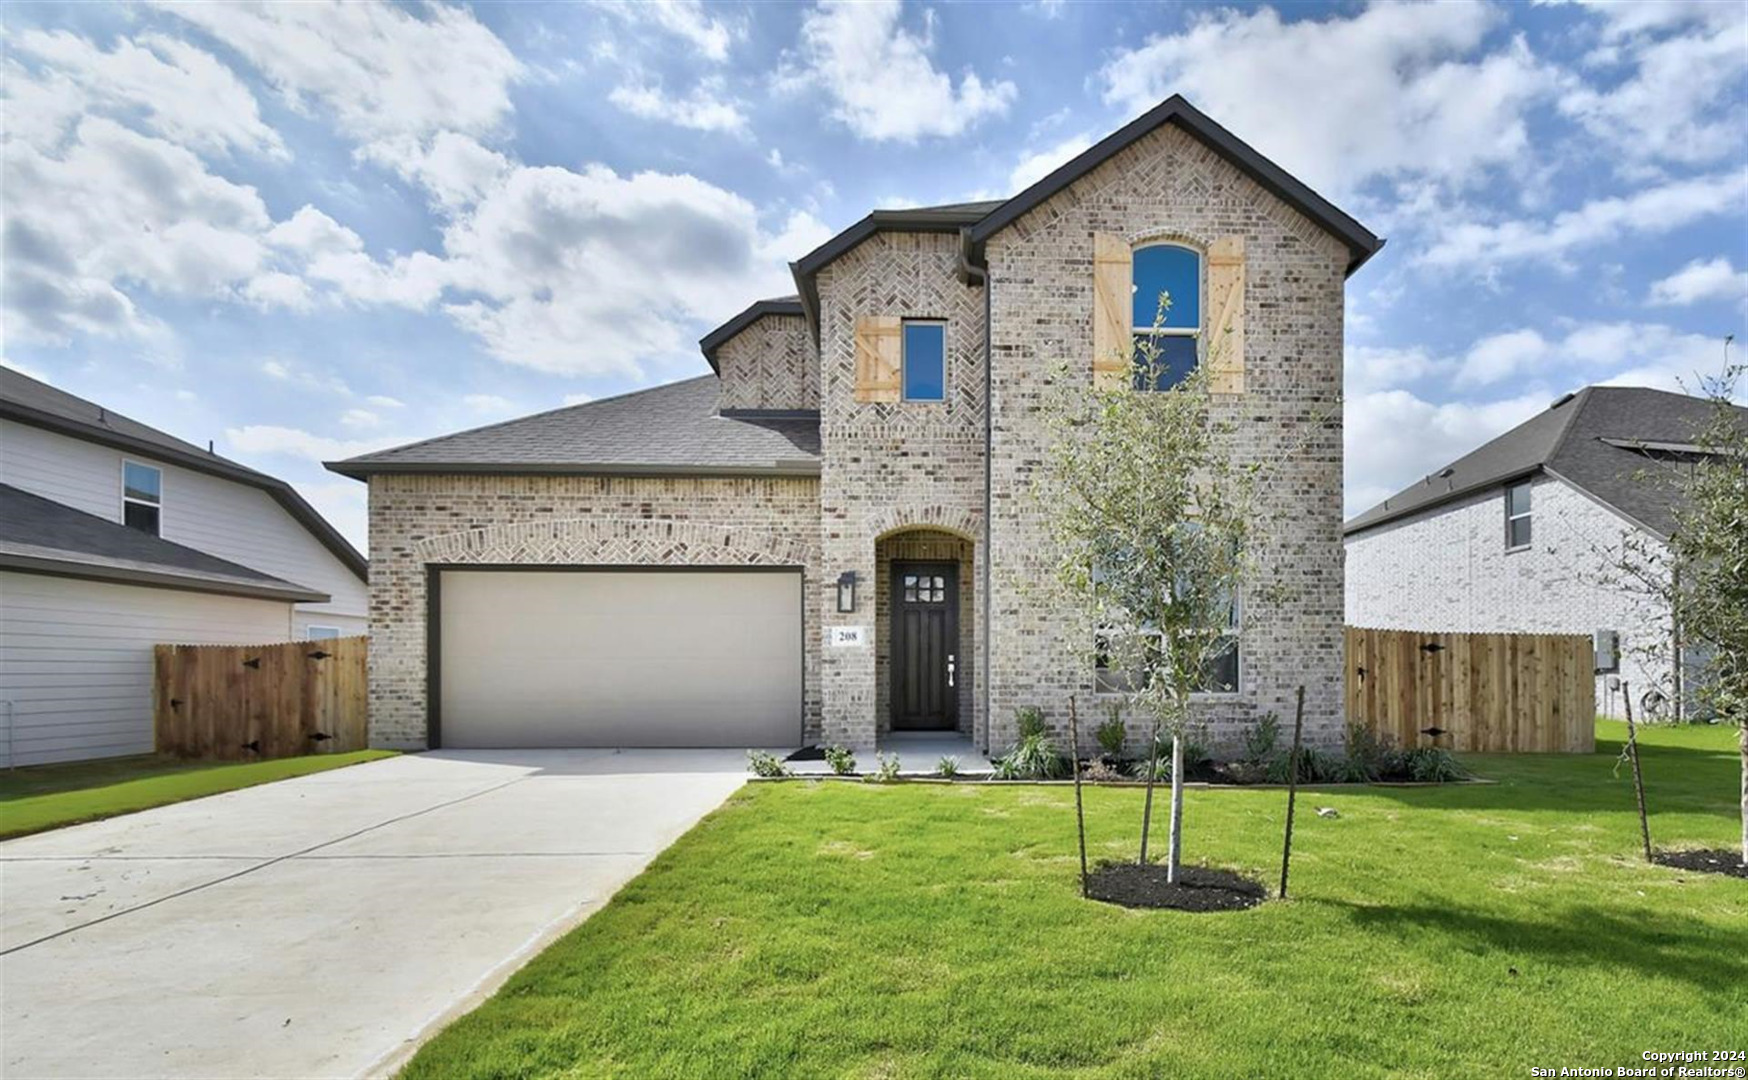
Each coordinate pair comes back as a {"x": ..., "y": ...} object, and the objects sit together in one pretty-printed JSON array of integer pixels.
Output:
[
  {"x": 770, "y": 365},
  {"x": 418, "y": 520},
  {"x": 1167, "y": 185},
  {"x": 1447, "y": 569}
]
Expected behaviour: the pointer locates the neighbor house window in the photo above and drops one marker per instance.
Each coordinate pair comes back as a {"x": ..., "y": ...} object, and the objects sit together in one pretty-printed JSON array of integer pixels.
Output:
[
  {"x": 1517, "y": 516},
  {"x": 142, "y": 496},
  {"x": 925, "y": 361},
  {"x": 1174, "y": 272},
  {"x": 322, "y": 633}
]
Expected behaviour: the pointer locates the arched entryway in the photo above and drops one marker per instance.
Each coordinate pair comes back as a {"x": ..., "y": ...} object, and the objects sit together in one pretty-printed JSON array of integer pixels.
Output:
[{"x": 925, "y": 656}]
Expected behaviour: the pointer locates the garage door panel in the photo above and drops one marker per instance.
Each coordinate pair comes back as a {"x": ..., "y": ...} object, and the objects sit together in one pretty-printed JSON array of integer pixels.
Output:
[{"x": 603, "y": 658}]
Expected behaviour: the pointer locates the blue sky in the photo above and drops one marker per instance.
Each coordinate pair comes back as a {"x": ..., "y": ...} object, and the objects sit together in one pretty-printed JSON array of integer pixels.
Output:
[{"x": 306, "y": 231}]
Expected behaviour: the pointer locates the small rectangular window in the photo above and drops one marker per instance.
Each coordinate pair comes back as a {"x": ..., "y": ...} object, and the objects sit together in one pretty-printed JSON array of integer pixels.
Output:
[
  {"x": 142, "y": 496},
  {"x": 322, "y": 633},
  {"x": 1517, "y": 516},
  {"x": 925, "y": 361}
]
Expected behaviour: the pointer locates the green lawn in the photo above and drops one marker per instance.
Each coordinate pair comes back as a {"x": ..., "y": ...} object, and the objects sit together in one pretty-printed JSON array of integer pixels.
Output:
[
  {"x": 833, "y": 929},
  {"x": 41, "y": 797}
]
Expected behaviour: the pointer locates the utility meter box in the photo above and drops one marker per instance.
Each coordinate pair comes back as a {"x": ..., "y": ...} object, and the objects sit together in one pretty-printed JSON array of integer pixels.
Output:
[{"x": 1608, "y": 651}]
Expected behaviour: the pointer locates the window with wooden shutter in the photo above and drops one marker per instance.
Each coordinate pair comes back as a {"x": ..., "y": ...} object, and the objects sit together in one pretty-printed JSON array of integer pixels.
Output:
[
  {"x": 879, "y": 357},
  {"x": 1113, "y": 347},
  {"x": 1225, "y": 342}
]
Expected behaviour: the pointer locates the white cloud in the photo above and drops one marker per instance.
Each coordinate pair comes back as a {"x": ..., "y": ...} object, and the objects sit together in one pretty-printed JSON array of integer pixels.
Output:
[
  {"x": 176, "y": 90},
  {"x": 704, "y": 109},
  {"x": 1651, "y": 211},
  {"x": 385, "y": 74},
  {"x": 578, "y": 399},
  {"x": 297, "y": 443},
  {"x": 685, "y": 19},
  {"x": 360, "y": 418},
  {"x": 283, "y": 371},
  {"x": 1500, "y": 356},
  {"x": 1395, "y": 90},
  {"x": 383, "y": 401},
  {"x": 488, "y": 403},
  {"x": 1394, "y": 437},
  {"x": 1702, "y": 279},
  {"x": 346, "y": 505},
  {"x": 880, "y": 78},
  {"x": 1038, "y": 164},
  {"x": 1370, "y": 368}
]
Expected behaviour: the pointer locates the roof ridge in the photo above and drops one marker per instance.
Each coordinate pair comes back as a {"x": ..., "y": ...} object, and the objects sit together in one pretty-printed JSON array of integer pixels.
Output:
[{"x": 1579, "y": 400}]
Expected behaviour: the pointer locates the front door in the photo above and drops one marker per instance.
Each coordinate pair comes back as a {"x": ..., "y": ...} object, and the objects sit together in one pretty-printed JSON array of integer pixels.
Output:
[{"x": 925, "y": 646}]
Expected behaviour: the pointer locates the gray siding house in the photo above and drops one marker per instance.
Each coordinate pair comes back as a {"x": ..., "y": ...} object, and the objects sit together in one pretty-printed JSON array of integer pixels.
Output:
[
  {"x": 828, "y": 537},
  {"x": 115, "y": 536},
  {"x": 1523, "y": 535}
]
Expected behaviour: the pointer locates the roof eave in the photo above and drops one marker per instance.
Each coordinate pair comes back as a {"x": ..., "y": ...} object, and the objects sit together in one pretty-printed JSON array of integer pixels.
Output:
[
  {"x": 156, "y": 579},
  {"x": 1356, "y": 525},
  {"x": 282, "y": 492},
  {"x": 1362, "y": 243},
  {"x": 755, "y": 311},
  {"x": 364, "y": 470},
  {"x": 806, "y": 269}
]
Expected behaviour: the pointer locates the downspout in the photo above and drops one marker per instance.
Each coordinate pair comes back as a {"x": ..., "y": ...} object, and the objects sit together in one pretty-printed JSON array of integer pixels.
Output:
[{"x": 982, "y": 274}]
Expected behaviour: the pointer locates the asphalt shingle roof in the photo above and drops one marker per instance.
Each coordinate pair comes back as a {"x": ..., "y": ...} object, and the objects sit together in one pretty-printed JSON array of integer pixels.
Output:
[
  {"x": 1594, "y": 439},
  {"x": 665, "y": 429},
  {"x": 38, "y": 534}
]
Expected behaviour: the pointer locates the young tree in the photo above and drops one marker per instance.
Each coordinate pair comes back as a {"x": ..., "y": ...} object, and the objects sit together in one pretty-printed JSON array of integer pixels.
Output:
[
  {"x": 1151, "y": 526},
  {"x": 1700, "y": 575}
]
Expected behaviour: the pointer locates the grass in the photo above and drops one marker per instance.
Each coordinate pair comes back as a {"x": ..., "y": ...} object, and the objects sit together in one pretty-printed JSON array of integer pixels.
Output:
[
  {"x": 819, "y": 929},
  {"x": 40, "y": 797}
]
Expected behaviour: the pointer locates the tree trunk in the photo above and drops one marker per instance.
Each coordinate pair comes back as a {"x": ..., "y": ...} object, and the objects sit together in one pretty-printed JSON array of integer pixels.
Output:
[
  {"x": 1638, "y": 776},
  {"x": 1175, "y": 851},
  {"x": 1744, "y": 742},
  {"x": 1079, "y": 809},
  {"x": 1147, "y": 804}
]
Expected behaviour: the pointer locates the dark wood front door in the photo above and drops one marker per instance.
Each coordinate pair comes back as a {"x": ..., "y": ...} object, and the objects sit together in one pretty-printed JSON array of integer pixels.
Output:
[{"x": 925, "y": 646}]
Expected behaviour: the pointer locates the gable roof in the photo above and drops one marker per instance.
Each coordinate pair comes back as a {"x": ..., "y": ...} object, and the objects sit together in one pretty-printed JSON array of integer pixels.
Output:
[
  {"x": 31, "y": 401},
  {"x": 1361, "y": 242},
  {"x": 39, "y": 535},
  {"x": 1598, "y": 440},
  {"x": 758, "y": 309},
  {"x": 670, "y": 429}
]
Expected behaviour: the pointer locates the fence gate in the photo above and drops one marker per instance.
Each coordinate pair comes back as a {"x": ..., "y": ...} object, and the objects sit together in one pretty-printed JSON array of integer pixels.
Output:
[
  {"x": 249, "y": 702},
  {"x": 1481, "y": 693}
]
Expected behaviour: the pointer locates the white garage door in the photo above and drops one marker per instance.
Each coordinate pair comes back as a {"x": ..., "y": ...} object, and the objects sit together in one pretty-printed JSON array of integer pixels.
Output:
[{"x": 549, "y": 658}]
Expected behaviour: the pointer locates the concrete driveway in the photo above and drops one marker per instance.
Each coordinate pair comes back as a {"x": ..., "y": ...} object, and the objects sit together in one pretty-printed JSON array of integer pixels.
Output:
[{"x": 320, "y": 926}]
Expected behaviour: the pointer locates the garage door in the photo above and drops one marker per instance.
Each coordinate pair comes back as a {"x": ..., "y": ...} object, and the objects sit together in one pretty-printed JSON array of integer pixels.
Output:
[{"x": 538, "y": 658}]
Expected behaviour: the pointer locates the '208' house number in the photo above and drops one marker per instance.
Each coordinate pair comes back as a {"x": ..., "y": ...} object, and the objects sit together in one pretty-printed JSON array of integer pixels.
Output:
[{"x": 841, "y": 636}]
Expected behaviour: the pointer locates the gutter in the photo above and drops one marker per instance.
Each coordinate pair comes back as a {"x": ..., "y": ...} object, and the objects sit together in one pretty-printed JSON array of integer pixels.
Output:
[
  {"x": 158, "y": 579},
  {"x": 364, "y": 470}
]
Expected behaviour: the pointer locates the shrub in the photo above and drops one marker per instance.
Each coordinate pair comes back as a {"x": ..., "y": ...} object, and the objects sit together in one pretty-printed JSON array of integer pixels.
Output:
[
  {"x": 1031, "y": 721},
  {"x": 1370, "y": 756},
  {"x": 947, "y": 767},
  {"x": 1315, "y": 767},
  {"x": 1034, "y": 758},
  {"x": 1433, "y": 764},
  {"x": 843, "y": 762},
  {"x": 1198, "y": 763},
  {"x": 885, "y": 770},
  {"x": 1259, "y": 741},
  {"x": 766, "y": 764},
  {"x": 1111, "y": 734}
]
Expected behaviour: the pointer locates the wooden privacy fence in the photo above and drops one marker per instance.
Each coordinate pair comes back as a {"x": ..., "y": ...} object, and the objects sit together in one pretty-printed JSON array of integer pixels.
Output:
[
  {"x": 1486, "y": 693},
  {"x": 250, "y": 702}
]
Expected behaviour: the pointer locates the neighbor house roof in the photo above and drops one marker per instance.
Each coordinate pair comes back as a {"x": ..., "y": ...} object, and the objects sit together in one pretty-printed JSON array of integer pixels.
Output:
[
  {"x": 1602, "y": 440},
  {"x": 30, "y": 401},
  {"x": 39, "y": 535},
  {"x": 671, "y": 429}
]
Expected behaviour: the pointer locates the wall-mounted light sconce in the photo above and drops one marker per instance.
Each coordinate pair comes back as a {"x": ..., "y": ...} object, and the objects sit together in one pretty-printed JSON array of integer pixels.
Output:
[{"x": 847, "y": 592}]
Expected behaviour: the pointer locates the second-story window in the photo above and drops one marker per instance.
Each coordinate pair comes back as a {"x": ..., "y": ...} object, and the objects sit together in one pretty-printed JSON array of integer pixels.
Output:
[
  {"x": 1517, "y": 516},
  {"x": 142, "y": 497},
  {"x": 925, "y": 360},
  {"x": 1173, "y": 272}
]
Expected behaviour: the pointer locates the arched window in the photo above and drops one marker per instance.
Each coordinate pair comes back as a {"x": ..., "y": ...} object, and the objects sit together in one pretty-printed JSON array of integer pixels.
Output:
[{"x": 1167, "y": 283}]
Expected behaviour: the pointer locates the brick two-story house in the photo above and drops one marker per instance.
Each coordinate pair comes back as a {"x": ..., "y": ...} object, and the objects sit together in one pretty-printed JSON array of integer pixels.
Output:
[{"x": 829, "y": 536}]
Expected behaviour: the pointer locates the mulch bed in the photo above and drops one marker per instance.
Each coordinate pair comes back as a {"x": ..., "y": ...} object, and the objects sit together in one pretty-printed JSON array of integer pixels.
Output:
[
  {"x": 807, "y": 753},
  {"x": 1713, "y": 861},
  {"x": 1198, "y": 888}
]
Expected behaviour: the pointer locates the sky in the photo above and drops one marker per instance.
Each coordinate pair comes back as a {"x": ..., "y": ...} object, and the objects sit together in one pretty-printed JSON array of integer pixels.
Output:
[{"x": 305, "y": 231}]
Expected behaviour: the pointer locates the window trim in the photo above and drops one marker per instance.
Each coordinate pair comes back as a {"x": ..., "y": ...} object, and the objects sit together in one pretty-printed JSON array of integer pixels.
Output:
[
  {"x": 904, "y": 361},
  {"x": 1527, "y": 516},
  {"x": 126, "y": 498},
  {"x": 1137, "y": 332}
]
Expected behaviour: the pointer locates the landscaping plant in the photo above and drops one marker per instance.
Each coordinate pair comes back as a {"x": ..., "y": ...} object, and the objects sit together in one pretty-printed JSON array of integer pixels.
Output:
[
  {"x": 1112, "y": 734},
  {"x": 1152, "y": 523},
  {"x": 766, "y": 764},
  {"x": 885, "y": 770},
  {"x": 947, "y": 768},
  {"x": 842, "y": 762}
]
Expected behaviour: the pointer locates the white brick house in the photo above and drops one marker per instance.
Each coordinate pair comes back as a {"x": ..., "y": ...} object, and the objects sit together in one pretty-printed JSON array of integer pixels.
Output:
[
  {"x": 826, "y": 538},
  {"x": 1523, "y": 534}
]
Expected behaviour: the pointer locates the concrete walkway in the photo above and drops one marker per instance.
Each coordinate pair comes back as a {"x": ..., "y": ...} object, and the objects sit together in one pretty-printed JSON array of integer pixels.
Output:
[{"x": 320, "y": 926}]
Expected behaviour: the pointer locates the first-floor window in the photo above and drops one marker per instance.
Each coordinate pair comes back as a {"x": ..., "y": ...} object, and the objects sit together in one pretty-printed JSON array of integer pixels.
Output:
[
  {"x": 1517, "y": 516},
  {"x": 142, "y": 497},
  {"x": 322, "y": 633},
  {"x": 1219, "y": 675}
]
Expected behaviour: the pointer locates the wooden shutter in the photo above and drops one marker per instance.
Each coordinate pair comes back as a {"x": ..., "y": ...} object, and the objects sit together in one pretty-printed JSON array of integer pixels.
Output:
[
  {"x": 1113, "y": 338},
  {"x": 879, "y": 357},
  {"x": 1225, "y": 346}
]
